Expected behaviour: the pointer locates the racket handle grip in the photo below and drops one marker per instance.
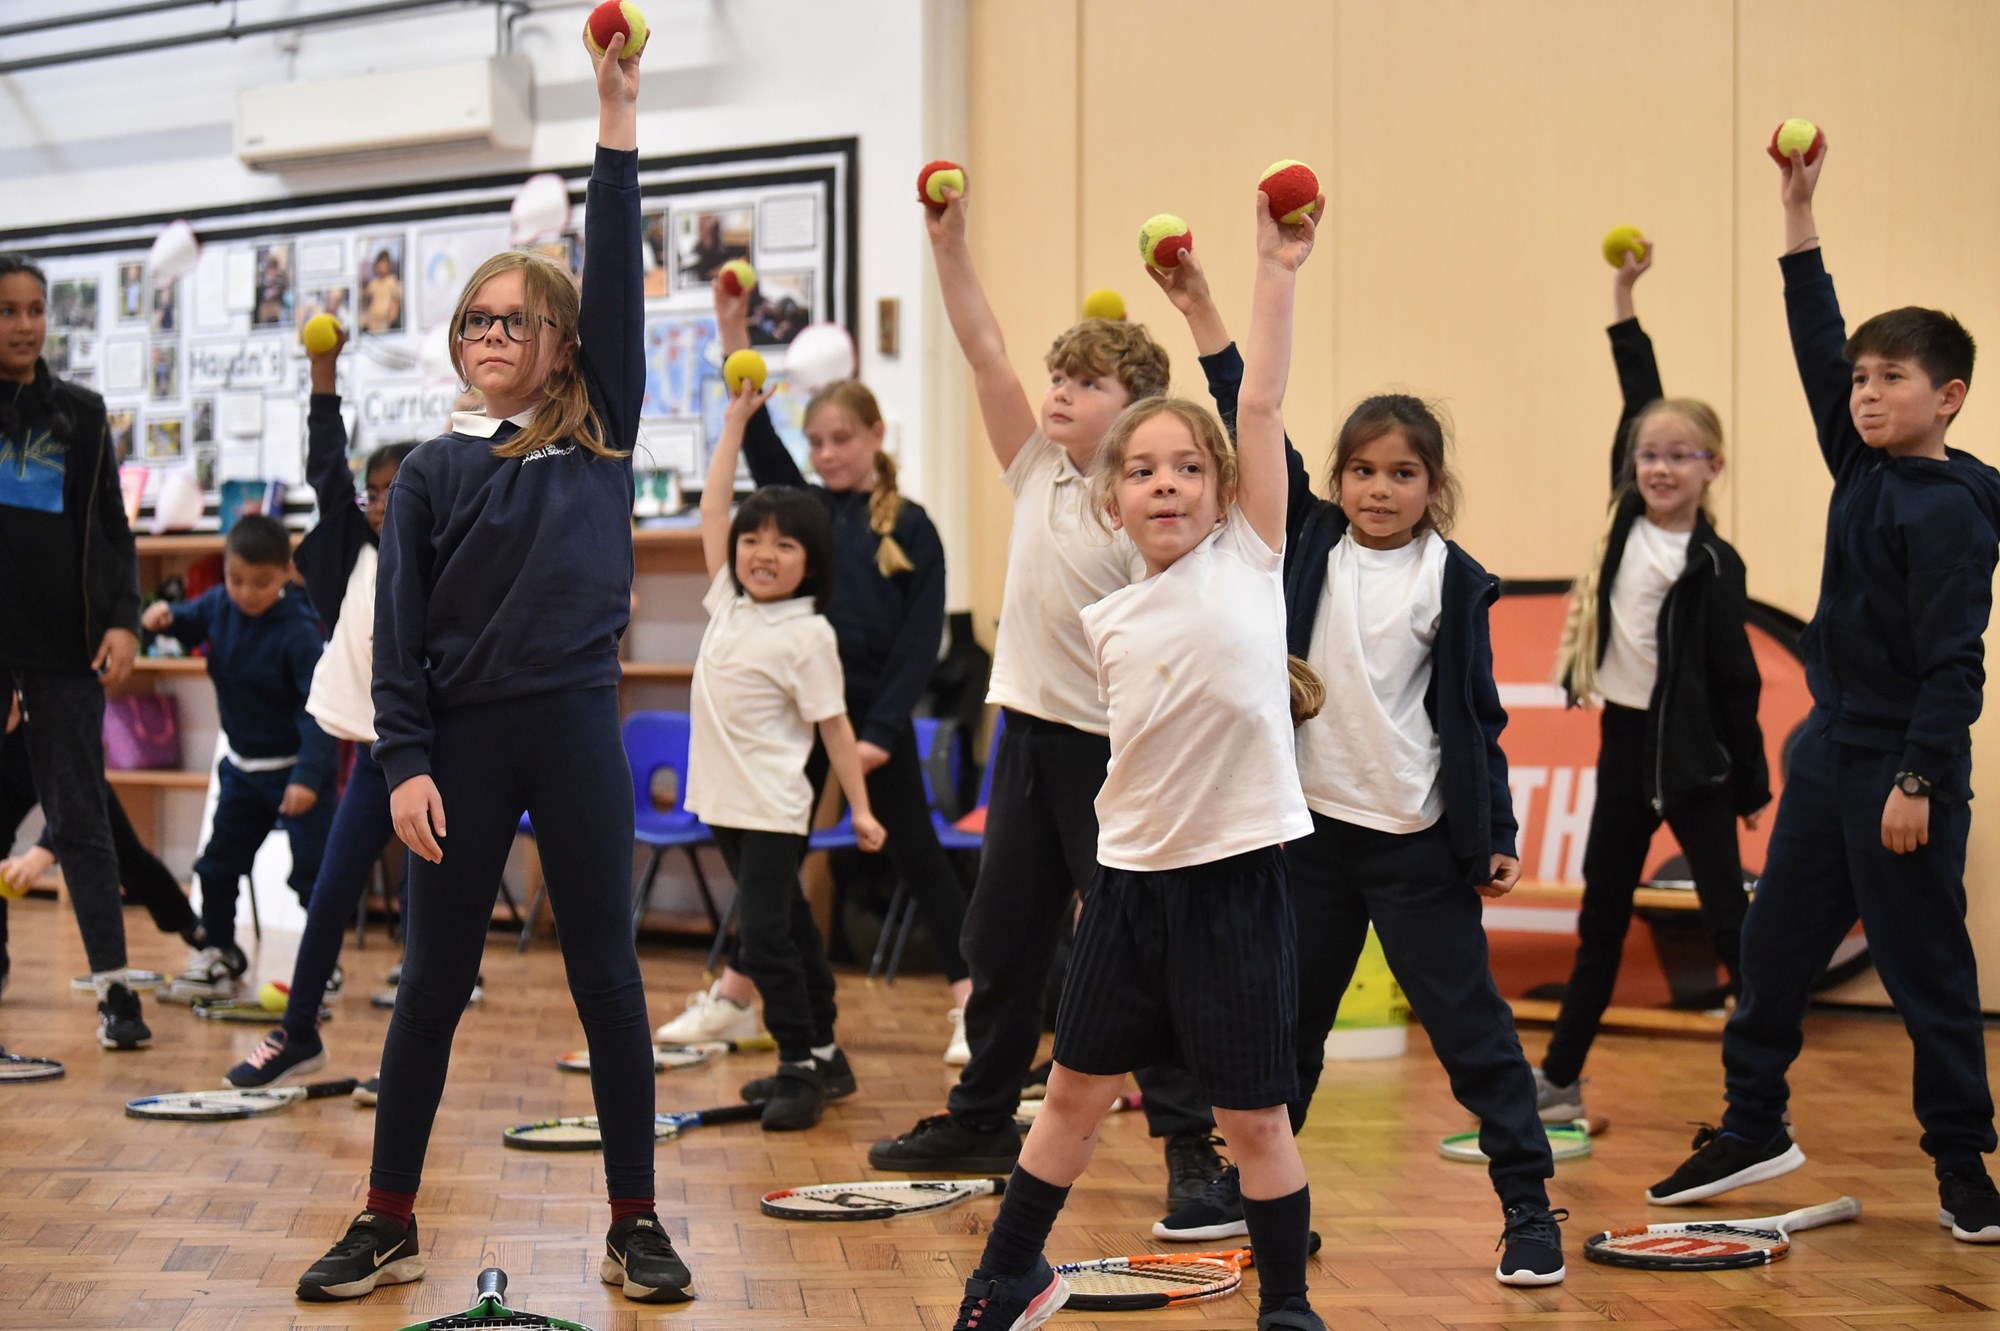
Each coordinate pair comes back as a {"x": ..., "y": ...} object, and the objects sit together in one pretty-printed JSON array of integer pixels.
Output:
[
  {"x": 320, "y": 1090},
  {"x": 1830, "y": 1213},
  {"x": 492, "y": 1283}
]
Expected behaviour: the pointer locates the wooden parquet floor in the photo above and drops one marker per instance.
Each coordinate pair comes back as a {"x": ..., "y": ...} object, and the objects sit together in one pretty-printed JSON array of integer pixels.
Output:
[{"x": 107, "y": 1221}]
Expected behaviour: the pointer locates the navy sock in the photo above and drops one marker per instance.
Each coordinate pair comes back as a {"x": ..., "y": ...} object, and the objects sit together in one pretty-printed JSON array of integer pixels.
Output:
[
  {"x": 1028, "y": 1211},
  {"x": 1280, "y": 1231}
]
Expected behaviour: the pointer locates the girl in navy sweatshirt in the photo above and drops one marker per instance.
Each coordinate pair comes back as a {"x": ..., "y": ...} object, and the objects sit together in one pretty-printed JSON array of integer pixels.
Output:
[{"x": 505, "y": 586}]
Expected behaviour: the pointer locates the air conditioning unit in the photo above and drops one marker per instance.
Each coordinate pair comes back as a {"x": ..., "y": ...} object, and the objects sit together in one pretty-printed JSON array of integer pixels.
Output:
[{"x": 472, "y": 104}]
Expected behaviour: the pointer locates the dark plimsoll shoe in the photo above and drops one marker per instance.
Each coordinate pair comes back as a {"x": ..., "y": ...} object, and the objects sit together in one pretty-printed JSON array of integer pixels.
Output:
[
  {"x": 1533, "y": 1244},
  {"x": 1216, "y": 1214},
  {"x": 639, "y": 1256},
  {"x": 275, "y": 1062},
  {"x": 1969, "y": 1207},
  {"x": 940, "y": 1145},
  {"x": 369, "y": 1091},
  {"x": 798, "y": 1098},
  {"x": 1192, "y": 1164},
  {"x": 120, "y": 1023},
  {"x": 1290, "y": 1319},
  {"x": 1723, "y": 1160},
  {"x": 1019, "y": 1304},
  {"x": 836, "y": 1080},
  {"x": 376, "y": 1250}
]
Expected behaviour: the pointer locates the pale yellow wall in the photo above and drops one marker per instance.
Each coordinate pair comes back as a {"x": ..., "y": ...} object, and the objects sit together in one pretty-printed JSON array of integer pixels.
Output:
[{"x": 1473, "y": 153}]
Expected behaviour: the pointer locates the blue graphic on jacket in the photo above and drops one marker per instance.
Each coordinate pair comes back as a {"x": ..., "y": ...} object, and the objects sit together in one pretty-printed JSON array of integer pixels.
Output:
[{"x": 31, "y": 471}]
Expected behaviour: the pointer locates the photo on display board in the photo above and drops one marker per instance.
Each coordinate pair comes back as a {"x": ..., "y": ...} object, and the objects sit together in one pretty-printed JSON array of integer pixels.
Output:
[
  {"x": 704, "y": 240},
  {"x": 274, "y": 287},
  {"x": 131, "y": 293},
  {"x": 73, "y": 304},
  {"x": 55, "y": 350},
  {"x": 779, "y": 307},
  {"x": 654, "y": 228},
  {"x": 166, "y": 309},
  {"x": 166, "y": 370},
  {"x": 163, "y": 439},
  {"x": 205, "y": 457},
  {"x": 566, "y": 250},
  {"x": 123, "y": 424},
  {"x": 201, "y": 420},
  {"x": 679, "y": 351},
  {"x": 327, "y": 300},
  {"x": 382, "y": 285}
]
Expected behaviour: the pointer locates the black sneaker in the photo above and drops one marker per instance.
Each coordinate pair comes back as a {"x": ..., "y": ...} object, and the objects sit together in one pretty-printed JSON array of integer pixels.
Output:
[
  {"x": 1723, "y": 1160},
  {"x": 1290, "y": 1319},
  {"x": 1534, "y": 1246},
  {"x": 836, "y": 1080},
  {"x": 639, "y": 1256},
  {"x": 941, "y": 1146},
  {"x": 120, "y": 1024},
  {"x": 1968, "y": 1204},
  {"x": 798, "y": 1098},
  {"x": 1020, "y": 1304},
  {"x": 1216, "y": 1214},
  {"x": 368, "y": 1091},
  {"x": 376, "y": 1250},
  {"x": 275, "y": 1062},
  {"x": 1192, "y": 1165}
]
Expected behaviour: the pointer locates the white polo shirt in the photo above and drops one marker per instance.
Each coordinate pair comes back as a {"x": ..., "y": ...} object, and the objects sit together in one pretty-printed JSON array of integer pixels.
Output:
[
  {"x": 340, "y": 698},
  {"x": 1192, "y": 662},
  {"x": 1059, "y": 560},
  {"x": 768, "y": 673}
]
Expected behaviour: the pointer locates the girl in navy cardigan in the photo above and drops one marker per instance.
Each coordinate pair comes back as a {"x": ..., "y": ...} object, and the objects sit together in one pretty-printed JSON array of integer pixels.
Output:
[{"x": 505, "y": 586}]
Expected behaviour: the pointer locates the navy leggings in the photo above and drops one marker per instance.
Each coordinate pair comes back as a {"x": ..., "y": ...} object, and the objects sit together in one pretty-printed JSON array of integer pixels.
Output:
[
  {"x": 559, "y": 758},
  {"x": 361, "y": 828}
]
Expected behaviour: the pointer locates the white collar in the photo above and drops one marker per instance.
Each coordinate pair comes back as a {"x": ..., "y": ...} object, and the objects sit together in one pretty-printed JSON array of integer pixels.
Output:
[
  {"x": 777, "y": 612},
  {"x": 481, "y": 426}
]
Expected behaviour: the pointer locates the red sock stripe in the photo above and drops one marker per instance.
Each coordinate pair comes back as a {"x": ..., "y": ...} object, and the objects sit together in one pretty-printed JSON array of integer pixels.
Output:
[
  {"x": 621, "y": 1207},
  {"x": 400, "y": 1206}
]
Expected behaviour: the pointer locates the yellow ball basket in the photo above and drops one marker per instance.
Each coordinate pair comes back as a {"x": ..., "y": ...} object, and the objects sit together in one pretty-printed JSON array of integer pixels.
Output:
[{"x": 1374, "y": 1017}]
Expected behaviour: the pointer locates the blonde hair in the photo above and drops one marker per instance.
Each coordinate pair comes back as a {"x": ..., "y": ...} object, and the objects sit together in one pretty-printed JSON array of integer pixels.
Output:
[
  {"x": 885, "y": 501},
  {"x": 1577, "y": 656},
  {"x": 1125, "y": 351},
  {"x": 548, "y": 298}
]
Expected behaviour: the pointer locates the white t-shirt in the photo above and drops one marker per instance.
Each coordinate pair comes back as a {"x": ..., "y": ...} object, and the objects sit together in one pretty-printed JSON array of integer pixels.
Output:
[
  {"x": 1371, "y": 757},
  {"x": 1192, "y": 666},
  {"x": 768, "y": 672},
  {"x": 339, "y": 698},
  {"x": 1654, "y": 559},
  {"x": 1059, "y": 560}
]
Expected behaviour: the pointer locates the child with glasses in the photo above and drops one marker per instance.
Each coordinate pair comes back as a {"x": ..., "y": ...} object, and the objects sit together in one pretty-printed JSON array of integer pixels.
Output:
[{"x": 1656, "y": 633}]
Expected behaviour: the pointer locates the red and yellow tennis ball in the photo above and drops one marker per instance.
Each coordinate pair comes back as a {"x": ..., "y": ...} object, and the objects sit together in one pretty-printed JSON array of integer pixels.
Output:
[
  {"x": 1292, "y": 190},
  {"x": 1620, "y": 241},
  {"x": 1104, "y": 303},
  {"x": 320, "y": 335},
  {"x": 935, "y": 179},
  {"x": 1796, "y": 136},
  {"x": 741, "y": 365},
  {"x": 611, "y": 18},
  {"x": 274, "y": 996},
  {"x": 738, "y": 276},
  {"x": 1162, "y": 239}
]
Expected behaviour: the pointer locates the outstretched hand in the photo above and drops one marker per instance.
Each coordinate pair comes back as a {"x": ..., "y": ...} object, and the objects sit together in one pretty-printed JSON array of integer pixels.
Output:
[
  {"x": 617, "y": 74},
  {"x": 731, "y": 312},
  {"x": 1287, "y": 245},
  {"x": 746, "y": 402},
  {"x": 1798, "y": 178},
  {"x": 946, "y": 223},
  {"x": 1186, "y": 286},
  {"x": 1633, "y": 267}
]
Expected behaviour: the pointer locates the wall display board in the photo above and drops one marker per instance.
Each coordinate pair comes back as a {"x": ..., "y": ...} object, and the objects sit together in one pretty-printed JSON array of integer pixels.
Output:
[{"x": 206, "y": 374}]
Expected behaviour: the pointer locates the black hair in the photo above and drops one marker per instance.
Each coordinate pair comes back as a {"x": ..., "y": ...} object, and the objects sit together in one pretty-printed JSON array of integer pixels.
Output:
[
  {"x": 388, "y": 455},
  {"x": 1931, "y": 338},
  {"x": 259, "y": 538},
  {"x": 62, "y": 422},
  {"x": 796, "y": 513},
  {"x": 21, "y": 263}
]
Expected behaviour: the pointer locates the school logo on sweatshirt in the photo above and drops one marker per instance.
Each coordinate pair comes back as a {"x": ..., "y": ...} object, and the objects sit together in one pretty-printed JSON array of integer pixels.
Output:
[
  {"x": 31, "y": 471},
  {"x": 550, "y": 451}
]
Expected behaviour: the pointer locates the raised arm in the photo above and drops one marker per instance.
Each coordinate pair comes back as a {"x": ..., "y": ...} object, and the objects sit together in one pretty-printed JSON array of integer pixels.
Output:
[
  {"x": 1819, "y": 334},
  {"x": 1003, "y": 404},
  {"x": 770, "y": 461},
  {"x": 326, "y": 441},
  {"x": 718, "y": 490},
  {"x": 612, "y": 324},
  {"x": 1632, "y": 353},
  {"x": 1260, "y": 422}
]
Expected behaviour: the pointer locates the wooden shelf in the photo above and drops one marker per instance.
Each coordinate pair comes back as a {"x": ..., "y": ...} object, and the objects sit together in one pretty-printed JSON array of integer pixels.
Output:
[
  {"x": 171, "y": 665},
  {"x": 657, "y": 672},
  {"x": 160, "y": 779},
  {"x": 1567, "y": 894},
  {"x": 1653, "y": 1020}
]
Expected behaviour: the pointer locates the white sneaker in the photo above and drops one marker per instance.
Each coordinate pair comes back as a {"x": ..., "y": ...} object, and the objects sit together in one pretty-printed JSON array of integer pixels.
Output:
[
  {"x": 710, "y": 1016},
  {"x": 211, "y": 973},
  {"x": 958, "y": 1053}
]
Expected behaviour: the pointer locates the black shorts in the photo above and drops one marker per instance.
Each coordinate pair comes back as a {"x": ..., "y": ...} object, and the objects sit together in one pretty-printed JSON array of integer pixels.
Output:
[{"x": 1194, "y": 966}]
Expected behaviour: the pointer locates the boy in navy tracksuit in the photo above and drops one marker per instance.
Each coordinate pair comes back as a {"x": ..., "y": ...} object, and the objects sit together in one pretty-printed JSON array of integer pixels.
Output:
[
  {"x": 277, "y": 766},
  {"x": 1873, "y": 820}
]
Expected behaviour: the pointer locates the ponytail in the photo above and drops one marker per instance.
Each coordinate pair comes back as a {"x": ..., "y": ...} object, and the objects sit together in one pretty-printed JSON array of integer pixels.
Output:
[
  {"x": 1308, "y": 690},
  {"x": 1576, "y": 658},
  {"x": 885, "y": 505}
]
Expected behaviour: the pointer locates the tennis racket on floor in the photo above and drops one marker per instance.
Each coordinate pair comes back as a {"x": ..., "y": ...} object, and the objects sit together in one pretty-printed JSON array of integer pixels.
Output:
[
  {"x": 1713, "y": 1245},
  {"x": 20, "y": 1067},
  {"x": 883, "y": 1200},
  {"x": 197, "y": 1105},
  {"x": 670, "y": 1057},
  {"x": 247, "y": 1010},
  {"x": 490, "y": 1312},
  {"x": 1571, "y": 1142},
  {"x": 1156, "y": 1280},
  {"x": 581, "y": 1134},
  {"x": 1029, "y": 1109}
]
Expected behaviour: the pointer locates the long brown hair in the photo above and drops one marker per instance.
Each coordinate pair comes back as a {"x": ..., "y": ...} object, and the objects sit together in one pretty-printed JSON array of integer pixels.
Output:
[
  {"x": 1419, "y": 424},
  {"x": 548, "y": 299},
  {"x": 885, "y": 501}
]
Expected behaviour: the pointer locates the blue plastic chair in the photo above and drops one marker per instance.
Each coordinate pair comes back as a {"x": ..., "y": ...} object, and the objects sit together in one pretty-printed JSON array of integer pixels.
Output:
[
  {"x": 655, "y": 740},
  {"x": 901, "y": 915},
  {"x": 950, "y": 835}
]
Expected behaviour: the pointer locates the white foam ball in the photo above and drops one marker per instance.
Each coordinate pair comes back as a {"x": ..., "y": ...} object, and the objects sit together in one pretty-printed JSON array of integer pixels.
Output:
[
  {"x": 541, "y": 208},
  {"x": 175, "y": 250},
  {"x": 820, "y": 354}
]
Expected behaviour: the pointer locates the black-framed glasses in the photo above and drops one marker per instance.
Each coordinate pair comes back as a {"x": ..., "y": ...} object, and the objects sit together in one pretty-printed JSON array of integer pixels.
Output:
[{"x": 478, "y": 323}]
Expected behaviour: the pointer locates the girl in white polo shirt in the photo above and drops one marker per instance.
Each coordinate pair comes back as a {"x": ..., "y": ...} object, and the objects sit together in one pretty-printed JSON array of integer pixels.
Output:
[
  {"x": 1185, "y": 951},
  {"x": 767, "y": 675}
]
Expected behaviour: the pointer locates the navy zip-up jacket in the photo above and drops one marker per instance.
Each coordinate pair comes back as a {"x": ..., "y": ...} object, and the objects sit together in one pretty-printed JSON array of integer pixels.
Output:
[
  {"x": 1462, "y": 702},
  {"x": 325, "y": 558},
  {"x": 507, "y": 577},
  {"x": 263, "y": 668},
  {"x": 889, "y": 629},
  {"x": 1894, "y": 652}
]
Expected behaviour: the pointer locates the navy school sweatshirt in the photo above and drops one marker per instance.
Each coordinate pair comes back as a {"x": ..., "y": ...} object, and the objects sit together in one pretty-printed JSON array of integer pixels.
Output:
[
  {"x": 1894, "y": 656},
  {"x": 263, "y": 668},
  {"x": 507, "y": 577}
]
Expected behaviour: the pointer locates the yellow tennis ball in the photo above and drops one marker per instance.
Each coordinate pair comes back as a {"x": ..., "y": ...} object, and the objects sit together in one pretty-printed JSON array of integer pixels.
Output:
[
  {"x": 273, "y": 996},
  {"x": 1162, "y": 239},
  {"x": 1801, "y": 136},
  {"x": 611, "y": 18},
  {"x": 738, "y": 276},
  {"x": 935, "y": 179},
  {"x": 741, "y": 365},
  {"x": 1620, "y": 241},
  {"x": 1104, "y": 303},
  {"x": 320, "y": 335}
]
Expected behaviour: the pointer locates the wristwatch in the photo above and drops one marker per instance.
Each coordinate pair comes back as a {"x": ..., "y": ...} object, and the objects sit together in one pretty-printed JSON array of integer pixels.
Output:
[{"x": 1916, "y": 787}]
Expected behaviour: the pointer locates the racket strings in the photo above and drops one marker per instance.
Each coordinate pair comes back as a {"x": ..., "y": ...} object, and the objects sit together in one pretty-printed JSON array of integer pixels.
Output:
[
  {"x": 1146, "y": 1279},
  {"x": 511, "y": 1321}
]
